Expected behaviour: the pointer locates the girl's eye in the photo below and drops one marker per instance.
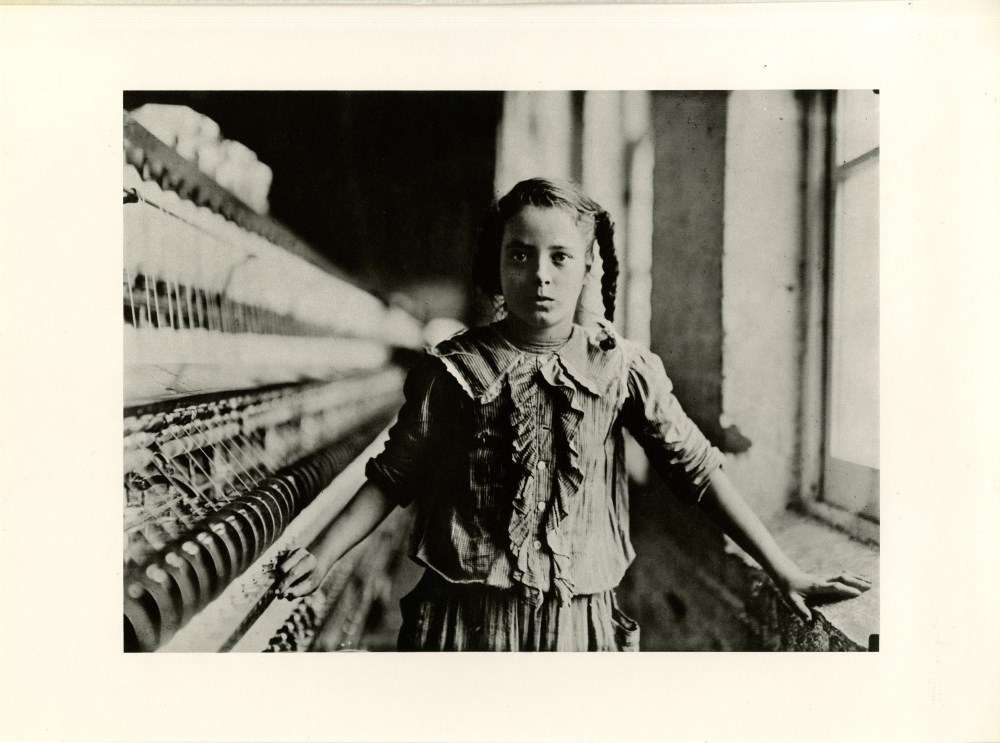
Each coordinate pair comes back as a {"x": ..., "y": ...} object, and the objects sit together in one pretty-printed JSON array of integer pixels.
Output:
[
  {"x": 518, "y": 256},
  {"x": 560, "y": 257}
]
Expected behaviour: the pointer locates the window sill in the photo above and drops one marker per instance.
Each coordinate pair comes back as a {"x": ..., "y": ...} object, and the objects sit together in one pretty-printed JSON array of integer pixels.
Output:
[
  {"x": 821, "y": 549},
  {"x": 858, "y": 527}
]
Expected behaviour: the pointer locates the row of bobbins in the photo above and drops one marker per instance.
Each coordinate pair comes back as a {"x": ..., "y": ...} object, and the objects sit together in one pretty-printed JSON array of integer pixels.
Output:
[
  {"x": 257, "y": 435},
  {"x": 163, "y": 594}
]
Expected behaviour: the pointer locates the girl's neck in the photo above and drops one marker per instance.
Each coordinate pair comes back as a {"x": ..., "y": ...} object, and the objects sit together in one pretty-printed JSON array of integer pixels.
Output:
[{"x": 528, "y": 338}]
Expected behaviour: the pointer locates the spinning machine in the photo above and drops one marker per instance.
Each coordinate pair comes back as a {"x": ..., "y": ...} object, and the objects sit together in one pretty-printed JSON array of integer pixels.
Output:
[{"x": 258, "y": 381}]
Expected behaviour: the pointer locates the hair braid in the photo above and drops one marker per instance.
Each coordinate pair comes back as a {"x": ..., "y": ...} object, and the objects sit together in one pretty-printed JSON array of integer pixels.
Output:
[{"x": 604, "y": 231}]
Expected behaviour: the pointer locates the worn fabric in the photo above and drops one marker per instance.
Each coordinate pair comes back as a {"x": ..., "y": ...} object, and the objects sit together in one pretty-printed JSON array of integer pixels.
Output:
[
  {"x": 439, "y": 615},
  {"x": 516, "y": 460}
]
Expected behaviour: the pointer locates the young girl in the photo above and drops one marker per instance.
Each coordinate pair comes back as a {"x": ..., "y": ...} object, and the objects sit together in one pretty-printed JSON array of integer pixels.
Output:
[{"x": 511, "y": 443}]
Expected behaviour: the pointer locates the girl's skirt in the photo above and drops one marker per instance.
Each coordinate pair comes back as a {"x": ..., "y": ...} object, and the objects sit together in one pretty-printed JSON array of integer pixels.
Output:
[{"x": 440, "y": 615}]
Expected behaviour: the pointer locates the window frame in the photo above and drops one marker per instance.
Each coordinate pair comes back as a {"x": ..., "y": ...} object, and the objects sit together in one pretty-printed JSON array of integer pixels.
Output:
[{"x": 840, "y": 492}]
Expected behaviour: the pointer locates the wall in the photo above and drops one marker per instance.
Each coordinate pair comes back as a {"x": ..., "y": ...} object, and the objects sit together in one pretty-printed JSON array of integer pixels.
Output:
[
  {"x": 689, "y": 178},
  {"x": 727, "y": 271},
  {"x": 538, "y": 135},
  {"x": 761, "y": 298},
  {"x": 726, "y": 319},
  {"x": 617, "y": 173}
]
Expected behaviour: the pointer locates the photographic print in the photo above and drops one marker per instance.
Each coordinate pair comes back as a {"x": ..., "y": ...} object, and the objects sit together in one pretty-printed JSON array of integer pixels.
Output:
[{"x": 501, "y": 370}]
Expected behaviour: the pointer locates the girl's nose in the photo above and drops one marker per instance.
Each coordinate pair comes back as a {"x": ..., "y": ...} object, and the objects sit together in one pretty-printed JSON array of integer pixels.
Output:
[{"x": 542, "y": 274}]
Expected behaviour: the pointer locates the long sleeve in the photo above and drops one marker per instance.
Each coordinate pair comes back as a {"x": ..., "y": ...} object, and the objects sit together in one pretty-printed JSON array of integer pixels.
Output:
[
  {"x": 674, "y": 444},
  {"x": 397, "y": 467}
]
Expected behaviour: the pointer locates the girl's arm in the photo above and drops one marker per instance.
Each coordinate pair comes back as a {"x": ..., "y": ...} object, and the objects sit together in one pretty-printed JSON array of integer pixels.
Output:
[
  {"x": 726, "y": 507},
  {"x": 676, "y": 446},
  {"x": 302, "y": 570},
  {"x": 410, "y": 438}
]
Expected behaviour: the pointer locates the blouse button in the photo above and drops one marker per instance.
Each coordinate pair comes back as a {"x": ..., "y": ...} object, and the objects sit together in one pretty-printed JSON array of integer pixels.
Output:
[
  {"x": 541, "y": 464},
  {"x": 537, "y": 545},
  {"x": 541, "y": 505}
]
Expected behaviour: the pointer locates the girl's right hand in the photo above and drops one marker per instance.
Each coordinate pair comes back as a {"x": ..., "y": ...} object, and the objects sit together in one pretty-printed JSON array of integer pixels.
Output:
[{"x": 298, "y": 574}]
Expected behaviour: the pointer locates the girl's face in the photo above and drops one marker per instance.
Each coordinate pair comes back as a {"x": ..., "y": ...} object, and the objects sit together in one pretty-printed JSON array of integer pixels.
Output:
[{"x": 544, "y": 257}]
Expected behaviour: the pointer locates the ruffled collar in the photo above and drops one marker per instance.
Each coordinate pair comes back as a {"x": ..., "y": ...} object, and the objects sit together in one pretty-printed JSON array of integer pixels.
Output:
[
  {"x": 482, "y": 357},
  {"x": 482, "y": 360}
]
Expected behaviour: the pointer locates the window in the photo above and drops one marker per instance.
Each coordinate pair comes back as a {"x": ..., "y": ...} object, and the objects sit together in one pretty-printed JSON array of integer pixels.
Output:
[
  {"x": 851, "y": 467},
  {"x": 841, "y": 411}
]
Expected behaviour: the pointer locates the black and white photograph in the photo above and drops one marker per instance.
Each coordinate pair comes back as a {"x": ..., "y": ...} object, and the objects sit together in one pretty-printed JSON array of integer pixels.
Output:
[{"x": 477, "y": 371}]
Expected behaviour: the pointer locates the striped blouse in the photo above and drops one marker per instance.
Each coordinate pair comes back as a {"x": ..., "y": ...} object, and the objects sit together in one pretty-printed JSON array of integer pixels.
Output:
[{"x": 516, "y": 459}]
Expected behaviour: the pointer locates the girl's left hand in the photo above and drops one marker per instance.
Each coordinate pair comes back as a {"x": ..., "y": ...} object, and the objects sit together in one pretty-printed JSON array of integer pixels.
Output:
[{"x": 801, "y": 589}]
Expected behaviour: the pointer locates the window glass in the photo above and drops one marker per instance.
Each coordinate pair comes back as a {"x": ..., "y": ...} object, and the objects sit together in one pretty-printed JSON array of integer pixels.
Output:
[
  {"x": 851, "y": 460},
  {"x": 854, "y": 431},
  {"x": 857, "y": 124}
]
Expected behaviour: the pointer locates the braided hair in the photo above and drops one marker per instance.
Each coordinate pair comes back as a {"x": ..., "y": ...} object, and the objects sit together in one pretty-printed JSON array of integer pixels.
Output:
[{"x": 541, "y": 192}]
